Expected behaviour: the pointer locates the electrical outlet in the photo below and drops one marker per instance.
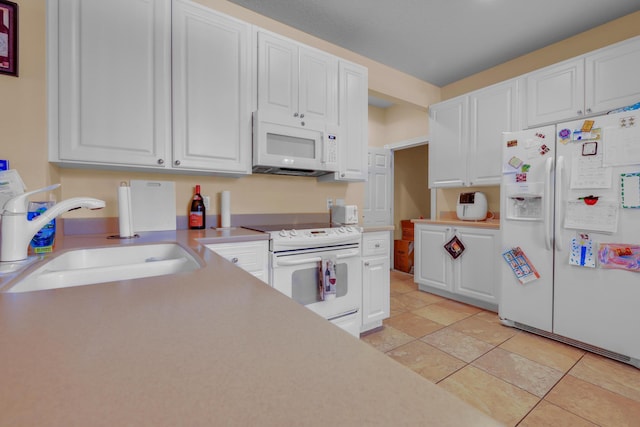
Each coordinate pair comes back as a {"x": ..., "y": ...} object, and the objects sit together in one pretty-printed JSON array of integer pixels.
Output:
[
  {"x": 207, "y": 202},
  {"x": 329, "y": 203}
]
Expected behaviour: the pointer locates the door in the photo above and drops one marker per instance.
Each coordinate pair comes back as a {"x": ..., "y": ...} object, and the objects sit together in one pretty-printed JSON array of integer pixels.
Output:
[
  {"x": 318, "y": 87},
  {"x": 598, "y": 306},
  {"x": 212, "y": 87},
  {"x": 476, "y": 269},
  {"x": 375, "y": 290},
  {"x": 555, "y": 93},
  {"x": 113, "y": 81},
  {"x": 377, "y": 195},
  {"x": 448, "y": 144},
  {"x": 277, "y": 75},
  {"x": 527, "y": 223}
]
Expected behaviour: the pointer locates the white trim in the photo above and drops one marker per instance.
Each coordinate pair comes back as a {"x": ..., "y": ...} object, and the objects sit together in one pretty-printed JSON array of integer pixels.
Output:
[{"x": 409, "y": 143}]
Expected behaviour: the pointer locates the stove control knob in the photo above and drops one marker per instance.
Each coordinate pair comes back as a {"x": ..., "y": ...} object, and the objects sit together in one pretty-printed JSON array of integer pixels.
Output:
[
  {"x": 349, "y": 229},
  {"x": 283, "y": 233},
  {"x": 341, "y": 229},
  {"x": 293, "y": 233}
]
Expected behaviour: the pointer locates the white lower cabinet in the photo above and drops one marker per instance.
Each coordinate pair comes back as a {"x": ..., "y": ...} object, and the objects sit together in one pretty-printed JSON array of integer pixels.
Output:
[
  {"x": 250, "y": 256},
  {"x": 473, "y": 277},
  {"x": 375, "y": 279}
]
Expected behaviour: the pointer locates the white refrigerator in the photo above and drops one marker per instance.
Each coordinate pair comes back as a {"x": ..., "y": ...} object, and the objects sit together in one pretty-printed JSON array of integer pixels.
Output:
[{"x": 570, "y": 207}]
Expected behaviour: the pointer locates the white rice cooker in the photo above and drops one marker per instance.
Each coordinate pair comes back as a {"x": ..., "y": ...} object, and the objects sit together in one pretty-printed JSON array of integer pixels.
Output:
[{"x": 472, "y": 206}]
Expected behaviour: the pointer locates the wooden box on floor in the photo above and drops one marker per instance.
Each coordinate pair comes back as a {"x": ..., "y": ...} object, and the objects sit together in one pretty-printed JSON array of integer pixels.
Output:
[
  {"x": 407, "y": 229},
  {"x": 403, "y": 255}
]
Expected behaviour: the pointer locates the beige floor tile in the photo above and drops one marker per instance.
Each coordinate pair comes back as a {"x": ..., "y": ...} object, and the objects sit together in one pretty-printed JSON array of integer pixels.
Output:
[
  {"x": 426, "y": 360},
  {"x": 416, "y": 299},
  {"x": 499, "y": 399},
  {"x": 609, "y": 374},
  {"x": 485, "y": 328},
  {"x": 542, "y": 350},
  {"x": 547, "y": 415},
  {"x": 594, "y": 403},
  {"x": 387, "y": 339},
  {"x": 402, "y": 287},
  {"x": 397, "y": 306},
  {"x": 412, "y": 324},
  {"x": 444, "y": 312},
  {"x": 457, "y": 344},
  {"x": 530, "y": 376}
]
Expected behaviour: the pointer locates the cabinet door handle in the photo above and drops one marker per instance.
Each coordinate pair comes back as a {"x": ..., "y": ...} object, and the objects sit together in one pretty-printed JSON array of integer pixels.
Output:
[
  {"x": 234, "y": 260},
  {"x": 377, "y": 245},
  {"x": 579, "y": 112},
  {"x": 160, "y": 162},
  {"x": 302, "y": 115},
  {"x": 295, "y": 114},
  {"x": 177, "y": 163},
  {"x": 302, "y": 123},
  {"x": 588, "y": 110},
  {"x": 366, "y": 264}
]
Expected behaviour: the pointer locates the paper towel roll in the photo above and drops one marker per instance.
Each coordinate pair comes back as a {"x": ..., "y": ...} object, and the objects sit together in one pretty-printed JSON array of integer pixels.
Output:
[
  {"x": 225, "y": 209},
  {"x": 125, "y": 219}
]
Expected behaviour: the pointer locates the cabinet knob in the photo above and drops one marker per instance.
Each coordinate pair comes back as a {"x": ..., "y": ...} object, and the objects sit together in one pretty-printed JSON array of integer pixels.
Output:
[
  {"x": 177, "y": 163},
  {"x": 302, "y": 123},
  {"x": 302, "y": 115},
  {"x": 343, "y": 174},
  {"x": 160, "y": 162},
  {"x": 588, "y": 110},
  {"x": 579, "y": 112},
  {"x": 295, "y": 114},
  {"x": 377, "y": 245},
  {"x": 234, "y": 260},
  {"x": 366, "y": 264}
]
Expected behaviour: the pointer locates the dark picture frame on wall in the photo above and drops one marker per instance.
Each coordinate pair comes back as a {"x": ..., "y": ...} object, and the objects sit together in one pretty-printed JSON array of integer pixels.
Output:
[{"x": 8, "y": 38}]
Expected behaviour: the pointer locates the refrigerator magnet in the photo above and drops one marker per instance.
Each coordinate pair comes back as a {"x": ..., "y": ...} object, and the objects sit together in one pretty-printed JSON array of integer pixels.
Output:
[
  {"x": 587, "y": 125},
  {"x": 515, "y": 162},
  {"x": 589, "y": 148},
  {"x": 564, "y": 135}
]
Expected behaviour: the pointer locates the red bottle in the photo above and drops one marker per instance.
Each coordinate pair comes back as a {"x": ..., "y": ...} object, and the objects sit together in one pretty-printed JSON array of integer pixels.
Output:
[{"x": 197, "y": 213}]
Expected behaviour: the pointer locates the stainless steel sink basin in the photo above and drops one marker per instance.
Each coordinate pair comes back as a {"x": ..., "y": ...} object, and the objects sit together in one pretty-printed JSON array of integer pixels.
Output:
[{"x": 107, "y": 264}]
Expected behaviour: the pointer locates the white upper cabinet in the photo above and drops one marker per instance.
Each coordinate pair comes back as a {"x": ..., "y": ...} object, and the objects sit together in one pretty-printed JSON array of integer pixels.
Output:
[
  {"x": 466, "y": 134},
  {"x": 296, "y": 82},
  {"x": 354, "y": 123},
  {"x": 109, "y": 81},
  {"x": 111, "y": 96},
  {"x": 212, "y": 90},
  {"x": 584, "y": 86}
]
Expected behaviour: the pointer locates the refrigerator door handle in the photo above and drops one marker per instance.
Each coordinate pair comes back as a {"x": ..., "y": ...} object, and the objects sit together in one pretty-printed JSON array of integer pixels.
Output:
[
  {"x": 559, "y": 202},
  {"x": 548, "y": 181}
]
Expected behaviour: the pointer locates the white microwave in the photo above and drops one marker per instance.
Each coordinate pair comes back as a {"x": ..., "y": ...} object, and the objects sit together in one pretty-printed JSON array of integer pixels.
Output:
[{"x": 293, "y": 149}]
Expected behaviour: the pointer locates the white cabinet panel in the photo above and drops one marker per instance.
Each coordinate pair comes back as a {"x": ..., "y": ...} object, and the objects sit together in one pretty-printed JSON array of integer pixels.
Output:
[
  {"x": 376, "y": 279},
  {"x": 109, "y": 85},
  {"x": 555, "y": 93},
  {"x": 585, "y": 86},
  {"x": 466, "y": 134},
  {"x": 473, "y": 277},
  {"x": 250, "y": 256},
  {"x": 212, "y": 91},
  {"x": 297, "y": 82}
]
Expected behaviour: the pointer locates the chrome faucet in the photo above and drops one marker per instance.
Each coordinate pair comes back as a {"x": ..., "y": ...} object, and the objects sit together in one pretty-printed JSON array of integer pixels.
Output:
[{"x": 17, "y": 230}]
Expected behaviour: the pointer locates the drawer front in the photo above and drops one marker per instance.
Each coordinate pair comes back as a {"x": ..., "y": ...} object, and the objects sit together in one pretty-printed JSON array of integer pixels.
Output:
[
  {"x": 375, "y": 243},
  {"x": 251, "y": 256}
]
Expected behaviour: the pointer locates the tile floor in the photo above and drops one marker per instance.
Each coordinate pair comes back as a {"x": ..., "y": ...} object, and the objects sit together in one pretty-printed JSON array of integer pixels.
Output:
[{"x": 516, "y": 377}]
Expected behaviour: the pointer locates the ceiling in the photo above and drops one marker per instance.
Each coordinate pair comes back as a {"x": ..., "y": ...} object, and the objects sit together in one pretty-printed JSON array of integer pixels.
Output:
[{"x": 442, "y": 41}]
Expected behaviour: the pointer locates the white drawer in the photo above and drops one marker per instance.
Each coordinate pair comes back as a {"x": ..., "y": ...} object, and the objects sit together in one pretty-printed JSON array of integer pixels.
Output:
[
  {"x": 250, "y": 256},
  {"x": 376, "y": 243}
]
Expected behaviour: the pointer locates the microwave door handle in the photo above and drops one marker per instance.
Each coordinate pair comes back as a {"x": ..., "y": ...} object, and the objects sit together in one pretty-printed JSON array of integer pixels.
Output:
[{"x": 285, "y": 262}]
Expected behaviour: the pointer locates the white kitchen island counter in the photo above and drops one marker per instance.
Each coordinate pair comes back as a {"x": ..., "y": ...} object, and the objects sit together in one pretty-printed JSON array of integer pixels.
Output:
[{"x": 211, "y": 347}]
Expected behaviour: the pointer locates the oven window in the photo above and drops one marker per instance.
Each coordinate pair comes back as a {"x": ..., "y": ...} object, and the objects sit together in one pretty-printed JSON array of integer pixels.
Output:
[
  {"x": 284, "y": 145},
  {"x": 304, "y": 284}
]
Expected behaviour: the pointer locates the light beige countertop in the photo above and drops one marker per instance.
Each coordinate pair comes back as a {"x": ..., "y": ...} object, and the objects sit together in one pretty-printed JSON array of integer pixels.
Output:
[
  {"x": 212, "y": 347},
  {"x": 374, "y": 228},
  {"x": 450, "y": 218}
]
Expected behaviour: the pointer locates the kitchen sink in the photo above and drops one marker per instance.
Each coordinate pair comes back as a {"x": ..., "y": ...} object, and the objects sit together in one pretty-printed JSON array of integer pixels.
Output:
[{"x": 98, "y": 265}]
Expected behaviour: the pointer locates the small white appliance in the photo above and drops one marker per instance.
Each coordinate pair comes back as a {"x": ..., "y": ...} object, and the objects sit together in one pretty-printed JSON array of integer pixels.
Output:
[
  {"x": 293, "y": 147},
  {"x": 347, "y": 214},
  {"x": 472, "y": 206}
]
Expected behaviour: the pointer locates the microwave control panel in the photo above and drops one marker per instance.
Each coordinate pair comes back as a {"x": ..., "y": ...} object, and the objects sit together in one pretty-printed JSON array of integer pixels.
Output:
[{"x": 332, "y": 148}]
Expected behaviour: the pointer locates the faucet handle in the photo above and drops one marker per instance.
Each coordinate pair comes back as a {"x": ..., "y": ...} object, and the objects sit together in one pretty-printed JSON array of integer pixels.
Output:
[{"x": 19, "y": 204}]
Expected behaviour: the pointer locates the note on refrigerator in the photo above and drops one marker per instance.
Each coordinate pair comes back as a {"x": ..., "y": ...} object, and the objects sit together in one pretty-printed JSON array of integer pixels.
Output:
[
  {"x": 603, "y": 216},
  {"x": 621, "y": 146},
  {"x": 630, "y": 190},
  {"x": 588, "y": 172}
]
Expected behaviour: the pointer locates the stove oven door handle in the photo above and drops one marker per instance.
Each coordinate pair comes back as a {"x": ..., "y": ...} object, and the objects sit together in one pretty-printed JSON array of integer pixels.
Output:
[
  {"x": 348, "y": 254},
  {"x": 287, "y": 262}
]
